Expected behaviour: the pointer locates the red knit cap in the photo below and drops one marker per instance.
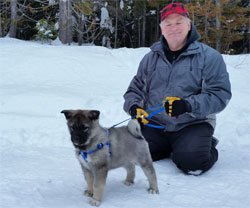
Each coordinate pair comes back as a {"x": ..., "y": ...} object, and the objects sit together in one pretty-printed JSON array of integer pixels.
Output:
[{"x": 173, "y": 8}]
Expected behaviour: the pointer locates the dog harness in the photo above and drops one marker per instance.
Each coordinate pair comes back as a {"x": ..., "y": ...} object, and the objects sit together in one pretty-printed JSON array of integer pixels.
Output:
[{"x": 99, "y": 146}]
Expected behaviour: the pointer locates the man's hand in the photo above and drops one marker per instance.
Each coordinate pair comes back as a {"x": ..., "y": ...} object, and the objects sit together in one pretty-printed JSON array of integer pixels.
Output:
[
  {"x": 176, "y": 106},
  {"x": 139, "y": 113}
]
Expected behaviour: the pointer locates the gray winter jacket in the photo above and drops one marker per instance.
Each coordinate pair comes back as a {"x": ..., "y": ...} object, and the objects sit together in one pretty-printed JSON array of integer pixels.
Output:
[{"x": 198, "y": 75}]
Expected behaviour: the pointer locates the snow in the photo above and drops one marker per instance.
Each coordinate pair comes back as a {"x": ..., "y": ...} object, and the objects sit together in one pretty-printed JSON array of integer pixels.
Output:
[
  {"x": 38, "y": 167},
  {"x": 121, "y": 5},
  {"x": 106, "y": 22},
  {"x": 52, "y": 2}
]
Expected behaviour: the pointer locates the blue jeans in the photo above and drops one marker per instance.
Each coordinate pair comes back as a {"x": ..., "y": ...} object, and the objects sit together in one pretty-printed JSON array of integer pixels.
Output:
[{"x": 192, "y": 147}]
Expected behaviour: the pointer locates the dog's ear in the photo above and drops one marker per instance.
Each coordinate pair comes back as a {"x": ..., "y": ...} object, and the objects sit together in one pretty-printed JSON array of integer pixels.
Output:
[
  {"x": 93, "y": 115},
  {"x": 68, "y": 114}
]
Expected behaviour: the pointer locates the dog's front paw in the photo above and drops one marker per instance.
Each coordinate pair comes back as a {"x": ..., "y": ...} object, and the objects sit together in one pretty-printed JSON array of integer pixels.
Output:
[
  {"x": 128, "y": 183},
  {"x": 88, "y": 193},
  {"x": 153, "y": 191},
  {"x": 94, "y": 202}
]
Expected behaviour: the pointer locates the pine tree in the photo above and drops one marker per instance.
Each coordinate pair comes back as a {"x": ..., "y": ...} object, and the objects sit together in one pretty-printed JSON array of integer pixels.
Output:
[
  {"x": 45, "y": 31},
  {"x": 135, "y": 23},
  {"x": 219, "y": 31}
]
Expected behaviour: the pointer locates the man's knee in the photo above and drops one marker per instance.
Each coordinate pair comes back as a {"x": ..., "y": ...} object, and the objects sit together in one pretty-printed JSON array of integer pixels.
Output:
[
  {"x": 158, "y": 144},
  {"x": 192, "y": 162}
]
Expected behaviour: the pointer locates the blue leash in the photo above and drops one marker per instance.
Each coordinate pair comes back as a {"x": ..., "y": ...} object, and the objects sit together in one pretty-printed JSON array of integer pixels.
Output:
[
  {"x": 101, "y": 145},
  {"x": 149, "y": 116}
]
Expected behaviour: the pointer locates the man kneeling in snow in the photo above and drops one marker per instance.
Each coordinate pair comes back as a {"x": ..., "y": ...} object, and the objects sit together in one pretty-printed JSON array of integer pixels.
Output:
[{"x": 192, "y": 80}]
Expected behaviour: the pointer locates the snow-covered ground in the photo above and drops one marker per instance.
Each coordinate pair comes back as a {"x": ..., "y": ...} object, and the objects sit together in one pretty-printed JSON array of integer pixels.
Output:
[{"x": 37, "y": 163}]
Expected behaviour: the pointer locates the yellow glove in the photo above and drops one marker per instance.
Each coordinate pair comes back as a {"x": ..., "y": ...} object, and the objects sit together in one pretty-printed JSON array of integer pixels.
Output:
[
  {"x": 141, "y": 114},
  {"x": 168, "y": 104},
  {"x": 176, "y": 106}
]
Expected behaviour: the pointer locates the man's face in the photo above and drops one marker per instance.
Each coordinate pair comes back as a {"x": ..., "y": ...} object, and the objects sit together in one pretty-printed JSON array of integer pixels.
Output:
[{"x": 175, "y": 28}]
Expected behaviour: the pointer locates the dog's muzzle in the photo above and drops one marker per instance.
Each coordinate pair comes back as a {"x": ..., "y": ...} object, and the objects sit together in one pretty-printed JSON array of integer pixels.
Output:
[{"x": 79, "y": 138}]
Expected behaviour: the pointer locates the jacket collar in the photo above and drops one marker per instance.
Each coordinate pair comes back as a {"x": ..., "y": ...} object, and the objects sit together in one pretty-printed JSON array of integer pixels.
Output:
[{"x": 193, "y": 48}]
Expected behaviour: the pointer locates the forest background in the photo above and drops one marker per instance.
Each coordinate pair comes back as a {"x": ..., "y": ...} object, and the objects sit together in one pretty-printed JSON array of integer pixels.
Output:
[{"x": 223, "y": 24}]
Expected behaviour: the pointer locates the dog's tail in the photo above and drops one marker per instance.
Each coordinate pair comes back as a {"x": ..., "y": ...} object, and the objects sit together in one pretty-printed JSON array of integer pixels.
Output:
[{"x": 135, "y": 128}]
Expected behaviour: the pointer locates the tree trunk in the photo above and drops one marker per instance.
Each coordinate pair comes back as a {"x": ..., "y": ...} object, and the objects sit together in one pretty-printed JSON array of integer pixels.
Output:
[
  {"x": 218, "y": 24},
  {"x": 65, "y": 21},
  {"x": 116, "y": 21},
  {"x": 143, "y": 35},
  {"x": 206, "y": 24},
  {"x": 69, "y": 22},
  {"x": 193, "y": 19},
  {"x": 13, "y": 24},
  {"x": 1, "y": 32},
  {"x": 80, "y": 28},
  {"x": 139, "y": 32},
  {"x": 157, "y": 32},
  {"x": 62, "y": 22}
]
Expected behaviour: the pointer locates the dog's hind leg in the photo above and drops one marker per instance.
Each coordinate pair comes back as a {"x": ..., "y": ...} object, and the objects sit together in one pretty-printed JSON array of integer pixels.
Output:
[
  {"x": 149, "y": 171},
  {"x": 130, "y": 174}
]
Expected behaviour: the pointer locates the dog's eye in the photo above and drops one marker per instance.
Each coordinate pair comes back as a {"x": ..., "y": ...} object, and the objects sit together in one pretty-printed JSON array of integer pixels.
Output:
[{"x": 85, "y": 129}]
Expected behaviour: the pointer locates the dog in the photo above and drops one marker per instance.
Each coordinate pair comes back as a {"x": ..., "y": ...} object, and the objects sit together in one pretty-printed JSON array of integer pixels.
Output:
[{"x": 100, "y": 150}]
